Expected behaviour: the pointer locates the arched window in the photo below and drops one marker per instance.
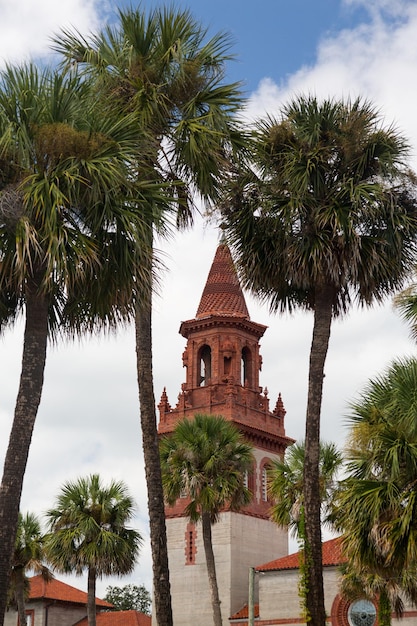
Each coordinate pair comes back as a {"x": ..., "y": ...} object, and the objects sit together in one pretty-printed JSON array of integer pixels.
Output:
[
  {"x": 246, "y": 368},
  {"x": 249, "y": 480},
  {"x": 265, "y": 480},
  {"x": 265, "y": 483},
  {"x": 204, "y": 371}
]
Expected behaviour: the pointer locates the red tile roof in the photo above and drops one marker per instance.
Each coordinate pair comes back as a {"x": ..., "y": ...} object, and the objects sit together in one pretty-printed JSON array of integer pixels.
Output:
[
  {"x": 244, "y": 612},
  {"x": 222, "y": 294},
  {"x": 332, "y": 555},
  {"x": 119, "y": 618},
  {"x": 57, "y": 590}
]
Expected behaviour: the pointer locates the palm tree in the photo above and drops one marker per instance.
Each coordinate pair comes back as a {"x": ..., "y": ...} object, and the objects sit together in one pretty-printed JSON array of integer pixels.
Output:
[
  {"x": 67, "y": 221},
  {"x": 377, "y": 504},
  {"x": 406, "y": 303},
  {"x": 89, "y": 533},
  {"x": 383, "y": 588},
  {"x": 206, "y": 458},
  {"x": 325, "y": 217},
  {"x": 286, "y": 480},
  {"x": 28, "y": 555},
  {"x": 162, "y": 66}
]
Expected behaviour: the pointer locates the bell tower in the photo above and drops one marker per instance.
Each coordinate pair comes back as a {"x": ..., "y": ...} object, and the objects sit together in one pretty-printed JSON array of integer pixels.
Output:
[{"x": 222, "y": 362}]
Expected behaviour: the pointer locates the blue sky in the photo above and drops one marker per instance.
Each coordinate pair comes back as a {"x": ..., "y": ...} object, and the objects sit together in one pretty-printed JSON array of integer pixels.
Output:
[
  {"x": 271, "y": 37},
  {"x": 88, "y": 420}
]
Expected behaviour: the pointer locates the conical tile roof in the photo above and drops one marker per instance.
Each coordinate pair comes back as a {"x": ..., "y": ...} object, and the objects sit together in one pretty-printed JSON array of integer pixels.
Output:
[{"x": 222, "y": 294}]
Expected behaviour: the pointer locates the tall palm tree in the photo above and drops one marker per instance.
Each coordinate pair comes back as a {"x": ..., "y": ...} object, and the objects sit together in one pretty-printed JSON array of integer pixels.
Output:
[
  {"x": 89, "y": 533},
  {"x": 325, "y": 217},
  {"x": 28, "y": 555},
  {"x": 377, "y": 504},
  {"x": 206, "y": 458},
  {"x": 162, "y": 65},
  {"x": 67, "y": 221}
]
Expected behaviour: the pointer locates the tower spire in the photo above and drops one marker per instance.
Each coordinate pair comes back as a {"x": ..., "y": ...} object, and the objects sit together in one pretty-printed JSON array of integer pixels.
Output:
[{"x": 222, "y": 294}]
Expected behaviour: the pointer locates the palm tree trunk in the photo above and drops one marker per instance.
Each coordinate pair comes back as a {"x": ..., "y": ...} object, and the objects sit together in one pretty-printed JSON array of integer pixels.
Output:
[
  {"x": 20, "y": 596},
  {"x": 312, "y": 504},
  {"x": 384, "y": 609},
  {"x": 27, "y": 403},
  {"x": 156, "y": 509},
  {"x": 211, "y": 569},
  {"x": 91, "y": 593}
]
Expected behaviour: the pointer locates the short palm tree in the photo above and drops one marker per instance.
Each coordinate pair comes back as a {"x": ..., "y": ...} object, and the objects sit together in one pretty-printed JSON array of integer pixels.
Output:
[
  {"x": 206, "y": 458},
  {"x": 89, "y": 533},
  {"x": 66, "y": 223},
  {"x": 162, "y": 65},
  {"x": 325, "y": 217},
  {"x": 286, "y": 482},
  {"x": 28, "y": 556},
  {"x": 377, "y": 504},
  {"x": 286, "y": 479}
]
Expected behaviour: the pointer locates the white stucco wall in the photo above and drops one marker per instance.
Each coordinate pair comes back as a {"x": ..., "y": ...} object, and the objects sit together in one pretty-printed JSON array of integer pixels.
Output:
[
  {"x": 279, "y": 599},
  {"x": 240, "y": 541}
]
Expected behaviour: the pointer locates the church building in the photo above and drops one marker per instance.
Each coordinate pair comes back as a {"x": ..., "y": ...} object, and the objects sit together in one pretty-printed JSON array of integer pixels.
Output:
[{"x": 222, "y": 362}]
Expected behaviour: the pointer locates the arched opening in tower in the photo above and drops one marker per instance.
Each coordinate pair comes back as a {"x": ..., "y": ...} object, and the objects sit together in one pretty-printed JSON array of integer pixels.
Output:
[{"x": 204, "y": 373}]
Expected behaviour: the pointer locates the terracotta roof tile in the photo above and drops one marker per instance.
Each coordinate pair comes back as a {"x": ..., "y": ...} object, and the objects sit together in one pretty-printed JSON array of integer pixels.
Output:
[
  {"x": 244, "y": 612},
  {"x": 57, "y": 590},
  {"x": 119, "y": 618},
  {"x": 332, "y": 555},
  {"x": 222, "y": 294}
]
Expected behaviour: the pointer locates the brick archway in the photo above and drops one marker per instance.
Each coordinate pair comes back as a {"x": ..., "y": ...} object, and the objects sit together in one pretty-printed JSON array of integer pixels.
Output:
[{"x": 339, "y": 613}]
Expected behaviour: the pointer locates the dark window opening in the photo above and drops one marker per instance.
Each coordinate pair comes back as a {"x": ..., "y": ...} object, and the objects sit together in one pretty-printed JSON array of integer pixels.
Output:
[
  {"x": 246, "y": 368},
  {"x": 204, "y": 373},
  {"x": 227, "y": 365}
]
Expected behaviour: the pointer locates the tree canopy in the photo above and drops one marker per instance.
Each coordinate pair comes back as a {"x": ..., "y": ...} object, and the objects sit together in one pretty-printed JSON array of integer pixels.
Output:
[
  {"x": 286, "y": 479},
  {"x": 377, "y": 504},
  {"x": 129, "y": 597}
]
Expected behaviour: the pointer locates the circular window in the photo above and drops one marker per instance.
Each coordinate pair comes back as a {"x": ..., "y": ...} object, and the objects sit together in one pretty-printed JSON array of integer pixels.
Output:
[{"x": 362, "y": 613}]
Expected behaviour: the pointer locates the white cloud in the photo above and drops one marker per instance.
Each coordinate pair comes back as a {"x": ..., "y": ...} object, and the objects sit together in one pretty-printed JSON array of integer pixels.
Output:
[
  {"x": 26, "y": 26},
  {"x": 376, "y": 60},
  {"x": 378, "y": 8}
]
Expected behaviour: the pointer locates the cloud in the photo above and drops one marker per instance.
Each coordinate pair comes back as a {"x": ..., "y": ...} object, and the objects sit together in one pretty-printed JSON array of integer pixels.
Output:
[
  {"x": 26, "y": 26},
  {"x": 376, "y": 60}
]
